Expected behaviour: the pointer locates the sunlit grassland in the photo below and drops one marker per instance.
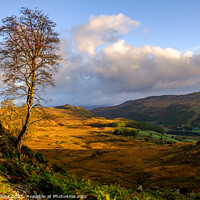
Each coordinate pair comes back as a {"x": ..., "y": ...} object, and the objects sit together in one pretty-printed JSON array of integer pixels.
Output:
[{"x": 95, "y": 153}]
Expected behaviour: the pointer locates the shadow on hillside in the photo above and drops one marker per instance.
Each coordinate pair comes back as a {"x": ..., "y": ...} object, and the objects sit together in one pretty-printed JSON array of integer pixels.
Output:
[
  {"x": 116, "y": 167},
  {"x": 99, "y": 165}
]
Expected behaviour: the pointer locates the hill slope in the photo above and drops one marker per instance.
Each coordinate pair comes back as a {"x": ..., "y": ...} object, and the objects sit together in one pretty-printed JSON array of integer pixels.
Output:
[
  {"x": 168, "y": 110},
  {"x": 88, "y": 148},
  {"x": 79, "y": 111}
]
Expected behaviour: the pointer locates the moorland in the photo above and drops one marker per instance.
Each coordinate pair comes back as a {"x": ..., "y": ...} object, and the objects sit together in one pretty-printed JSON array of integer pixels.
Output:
[{"x": 138, "y": 156}]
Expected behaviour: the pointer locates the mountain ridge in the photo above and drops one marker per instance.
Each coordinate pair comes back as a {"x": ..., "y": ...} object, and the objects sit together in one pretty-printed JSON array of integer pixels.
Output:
[{"x": 168, "y": 110}]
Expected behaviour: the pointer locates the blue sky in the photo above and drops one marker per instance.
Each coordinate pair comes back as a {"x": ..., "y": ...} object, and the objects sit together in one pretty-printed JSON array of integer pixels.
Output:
[
  {"x": 170, "y": 23},
  {"x": 163, "y": 24}
]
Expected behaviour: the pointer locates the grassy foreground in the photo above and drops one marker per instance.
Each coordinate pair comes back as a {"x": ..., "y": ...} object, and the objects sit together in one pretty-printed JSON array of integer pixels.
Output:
[
  {"x": 40, "y": 178},
  {"x": 105, "y": 166}
]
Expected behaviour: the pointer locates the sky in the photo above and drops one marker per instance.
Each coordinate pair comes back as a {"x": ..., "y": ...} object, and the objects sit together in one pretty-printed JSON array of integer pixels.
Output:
[{"x": 119, "y": 50}]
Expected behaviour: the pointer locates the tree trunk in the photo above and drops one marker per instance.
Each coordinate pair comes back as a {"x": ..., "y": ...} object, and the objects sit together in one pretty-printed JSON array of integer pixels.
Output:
[
  {"x": 24, "y": 132},
  {"x": 29, "y": 103}
]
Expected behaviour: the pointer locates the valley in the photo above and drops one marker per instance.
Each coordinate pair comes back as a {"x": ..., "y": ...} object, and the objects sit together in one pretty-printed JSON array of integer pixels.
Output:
[
  {"x": 77, "y": 120},
  {"x": 96, "y": 153},
  {"x": 137, "y": 159}
]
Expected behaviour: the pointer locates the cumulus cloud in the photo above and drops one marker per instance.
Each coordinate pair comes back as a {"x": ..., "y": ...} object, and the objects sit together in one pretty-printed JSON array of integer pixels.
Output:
[
  {"x": 132, "y": 69},
  {"x": 118, "y": 71},
  {"x": 100, "y": 30}
]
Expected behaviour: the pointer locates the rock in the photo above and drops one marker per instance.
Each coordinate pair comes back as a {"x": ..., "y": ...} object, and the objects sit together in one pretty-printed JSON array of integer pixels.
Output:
[
  {"x": 140, "y": 189},
  {"x": 154, "y": 187},
  {"x": 23, "y": 189},
  {"x": 34, "y": 192},
  {"x": 177, "y": 191}
]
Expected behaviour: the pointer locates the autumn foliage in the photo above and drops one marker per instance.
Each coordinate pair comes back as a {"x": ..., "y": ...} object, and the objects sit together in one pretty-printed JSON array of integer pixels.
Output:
[{"x": 28, "y": 58}]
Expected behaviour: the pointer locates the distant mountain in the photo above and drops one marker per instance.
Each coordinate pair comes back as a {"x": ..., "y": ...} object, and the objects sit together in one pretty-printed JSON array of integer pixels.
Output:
[
  {"x": 88, "y": 107},
  {"x": 168, "y": 110}
]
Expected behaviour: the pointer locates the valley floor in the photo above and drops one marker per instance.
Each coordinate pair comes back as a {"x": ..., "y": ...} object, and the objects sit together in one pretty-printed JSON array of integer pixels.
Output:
[{"x": 96, "y": 153}]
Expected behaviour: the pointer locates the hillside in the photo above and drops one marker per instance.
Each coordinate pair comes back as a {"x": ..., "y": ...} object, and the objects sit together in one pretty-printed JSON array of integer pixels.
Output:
[
  {"x": 88, "y": 147},
  {"x": 167, "y": 110},
  {"x": 34, "y": 177},
  {"x": 77, "y": 110}
]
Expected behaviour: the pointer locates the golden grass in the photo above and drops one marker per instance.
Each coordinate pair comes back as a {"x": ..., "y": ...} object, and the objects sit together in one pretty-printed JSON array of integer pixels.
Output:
[{"x": 96, "y": 153}]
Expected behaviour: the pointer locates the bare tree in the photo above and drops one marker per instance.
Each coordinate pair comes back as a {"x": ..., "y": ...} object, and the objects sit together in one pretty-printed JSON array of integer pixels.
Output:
[{"x": 28, "y": 58}]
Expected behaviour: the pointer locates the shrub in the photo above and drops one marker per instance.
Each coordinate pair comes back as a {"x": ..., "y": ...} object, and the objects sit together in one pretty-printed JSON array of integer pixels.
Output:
[
  {"x": 39, "y": 156},
  {"x": 126, "y": 131},
  {"x": 117, "y": 124},
  {"x": 59, "y": 169},
  {"x": 3, "y": 169},
  {"x": 145, "y": 126},
  {"x": 29, "y": 152}
]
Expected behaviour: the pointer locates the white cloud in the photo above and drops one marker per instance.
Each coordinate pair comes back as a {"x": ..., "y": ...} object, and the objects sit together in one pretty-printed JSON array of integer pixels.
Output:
[
  {"x": 132, "y": 69},
  {"x": 118, "y": 71},
  {"x": 100, "y": 30}
]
